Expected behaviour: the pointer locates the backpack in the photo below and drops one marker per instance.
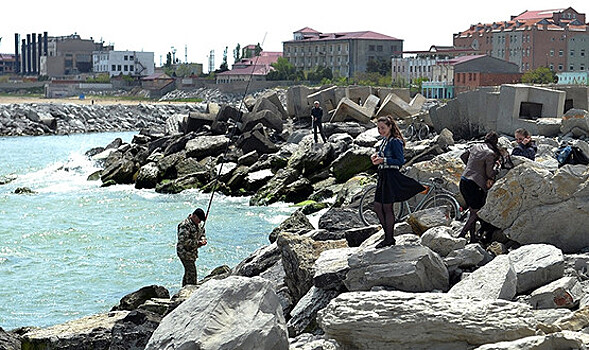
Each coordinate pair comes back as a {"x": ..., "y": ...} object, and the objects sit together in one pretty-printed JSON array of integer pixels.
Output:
[{"x": 571, "y": 155}]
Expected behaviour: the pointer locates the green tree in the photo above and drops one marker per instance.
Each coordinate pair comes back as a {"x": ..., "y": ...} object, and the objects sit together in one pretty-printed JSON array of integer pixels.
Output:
[
  {"x": 224, "y": 67},
  {"x": 540, "y": 75},
  {"x": 379, "y": 65},
  {"x": 168, "y": 60},
  {"x": 237, "y": 53},
  {"x": 258, "y": 50},
  {"x": 284, "y": 70},
  {"x": 320, "y": 73}
]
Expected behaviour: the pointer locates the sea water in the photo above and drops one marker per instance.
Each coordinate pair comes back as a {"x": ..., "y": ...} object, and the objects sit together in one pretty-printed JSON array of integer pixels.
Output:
[{"x": 73, "y": 248}]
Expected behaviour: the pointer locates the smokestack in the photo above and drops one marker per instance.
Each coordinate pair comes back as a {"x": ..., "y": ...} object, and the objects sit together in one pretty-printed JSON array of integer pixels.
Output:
[
  {"x": 28, "y": 53},
  {"x": 34, "y": 53},
  {"x": 39, "y": 54},
  {"x": 23, "y": 56},
  {"x": 16, "y": 55},
  {"x": 45, "y": 52}
]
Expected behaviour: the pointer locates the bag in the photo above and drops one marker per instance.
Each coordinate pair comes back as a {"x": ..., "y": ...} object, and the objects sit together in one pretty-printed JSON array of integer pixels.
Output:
[
  {"x": 506, "y": 162},
  {"x": 571, "y": 155}
]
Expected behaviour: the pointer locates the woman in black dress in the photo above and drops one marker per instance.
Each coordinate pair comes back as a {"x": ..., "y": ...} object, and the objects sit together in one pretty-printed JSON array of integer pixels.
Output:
[{"x": 392, "y": 186}]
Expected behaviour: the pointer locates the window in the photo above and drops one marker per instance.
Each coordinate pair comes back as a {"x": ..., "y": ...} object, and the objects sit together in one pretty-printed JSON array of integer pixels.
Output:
[
  {"x": 131, "y": 58},
  {"x": 560, "y": 67},
  {"x": 125, "y": 68},
  {"x": 551, "y": 53},
  {"x": 379, "y": 48},
  {"x": 119, "y": 67},
  {"x": 582, "y": 52},
  {"x": 582, "y": 67},
  {"x": 113, "y": 67},
  {"x": 572, "y": 53},
  {"x": 370, "y": 47},
  {"x": 560, "y": 53},
  {"x": 131, "y": 68}
]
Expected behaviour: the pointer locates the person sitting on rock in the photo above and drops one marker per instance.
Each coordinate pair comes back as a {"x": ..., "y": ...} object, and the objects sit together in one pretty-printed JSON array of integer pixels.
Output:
[{"x": 525, "y": 145}]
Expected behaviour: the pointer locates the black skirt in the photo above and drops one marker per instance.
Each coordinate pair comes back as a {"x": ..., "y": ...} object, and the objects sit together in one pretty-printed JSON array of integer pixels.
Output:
[{"x": 393, "y": 187}]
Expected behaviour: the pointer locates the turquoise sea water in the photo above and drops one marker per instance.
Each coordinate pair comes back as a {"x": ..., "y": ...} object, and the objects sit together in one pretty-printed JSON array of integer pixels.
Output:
[{"x": 74, "y": 249}]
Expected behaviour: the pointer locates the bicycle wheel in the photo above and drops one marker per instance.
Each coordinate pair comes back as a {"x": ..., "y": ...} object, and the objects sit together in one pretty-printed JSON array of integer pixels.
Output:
[
  {"x": 367, "y": 214},
  {"x": 409, "y": 132},
  {"x": 423, "y": 132},
  {"x": 449, "y": 203}
]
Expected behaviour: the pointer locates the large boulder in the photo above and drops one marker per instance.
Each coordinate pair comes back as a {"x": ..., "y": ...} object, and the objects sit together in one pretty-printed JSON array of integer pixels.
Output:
[
  {"x": 495, "y": 280},
  {"x": 533, "y": 205},
  {"x": 9, "y": 341},
  {"x": 304, "y": 313},
  {"x": 410, "y": 268},
  {"x": 135, "y": 299},
  {"x": 299, "y": 254},
  {"x": 536, "y": 265},
  {"x": 352, "y": 162},
  {"x": 116, "y": 330},
  {"x": 204, "y": 146},
  {"x": 232, "y": 313},
  {"x": 400, "y": 320}
]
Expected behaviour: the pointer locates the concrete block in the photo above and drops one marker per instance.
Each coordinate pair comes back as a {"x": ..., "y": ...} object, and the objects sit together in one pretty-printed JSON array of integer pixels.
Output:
[
  {"x": 347, "y": 109},
  {"x": 358, "y": 94},
  {"x": 418, "y": 101},
  {"x": 296, "y": 101},
  {"x": 395, "y": 106},
  {"x": 326, "y": 98},
  {"x": 371, "y": 103}
]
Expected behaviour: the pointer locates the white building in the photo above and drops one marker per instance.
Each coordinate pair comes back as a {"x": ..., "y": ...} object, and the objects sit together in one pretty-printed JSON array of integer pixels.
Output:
[{"x": 133, "y": 63}]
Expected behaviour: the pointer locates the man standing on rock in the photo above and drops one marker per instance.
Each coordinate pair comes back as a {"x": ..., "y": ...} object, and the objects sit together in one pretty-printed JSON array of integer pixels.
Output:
[
  {"x": 191, "y": 236},
  {"x": 316, "y": 115}
]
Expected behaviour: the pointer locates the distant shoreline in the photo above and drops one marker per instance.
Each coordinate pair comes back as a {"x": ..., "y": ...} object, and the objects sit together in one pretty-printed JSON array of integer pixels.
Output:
[{"x": 15, "y": 99}]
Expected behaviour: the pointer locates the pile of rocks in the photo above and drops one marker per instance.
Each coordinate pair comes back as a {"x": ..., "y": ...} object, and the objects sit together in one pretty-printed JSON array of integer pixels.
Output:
[{"x": 328, "y": 287}]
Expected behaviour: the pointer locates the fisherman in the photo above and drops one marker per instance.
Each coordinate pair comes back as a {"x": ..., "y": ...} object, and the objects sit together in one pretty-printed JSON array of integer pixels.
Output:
[{"x": 191, "y": 236}]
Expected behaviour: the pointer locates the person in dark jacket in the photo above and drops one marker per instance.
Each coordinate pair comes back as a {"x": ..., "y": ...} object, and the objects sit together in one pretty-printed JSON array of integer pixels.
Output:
[
  {"x": 191, "y": 236},
  {"x": 316, "y": 116},
  {"x": 525, "y": 145},
  {"x": 392, "y": 185},
  {"x": 482, "y": 161}
]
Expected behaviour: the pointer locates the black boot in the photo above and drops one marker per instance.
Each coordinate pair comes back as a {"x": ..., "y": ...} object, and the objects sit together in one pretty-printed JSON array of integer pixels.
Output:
[{"x": 389, "y": 240}]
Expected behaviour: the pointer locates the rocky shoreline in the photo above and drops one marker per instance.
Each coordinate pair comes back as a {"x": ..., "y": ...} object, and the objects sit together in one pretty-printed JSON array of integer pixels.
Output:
[{"x": 327, "y": 287}]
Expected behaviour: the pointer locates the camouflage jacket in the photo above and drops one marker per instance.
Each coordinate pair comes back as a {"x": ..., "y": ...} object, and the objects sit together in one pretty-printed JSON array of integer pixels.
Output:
[{"x": 189, "y": 235}]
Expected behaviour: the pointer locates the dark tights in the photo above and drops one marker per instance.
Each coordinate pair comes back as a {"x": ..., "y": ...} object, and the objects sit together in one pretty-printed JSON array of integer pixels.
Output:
[
  {"x": 470, "y": 226},
  {"x": 386, "y": 216}
]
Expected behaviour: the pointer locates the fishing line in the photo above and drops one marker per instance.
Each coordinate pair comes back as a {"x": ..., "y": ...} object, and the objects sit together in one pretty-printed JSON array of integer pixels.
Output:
[{"x": 232, "y": 134}]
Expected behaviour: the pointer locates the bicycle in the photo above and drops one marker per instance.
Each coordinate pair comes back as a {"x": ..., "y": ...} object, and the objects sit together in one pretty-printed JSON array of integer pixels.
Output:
[
  {"x": 433, "y": 196},
  {"x": 417, "y": 129}
]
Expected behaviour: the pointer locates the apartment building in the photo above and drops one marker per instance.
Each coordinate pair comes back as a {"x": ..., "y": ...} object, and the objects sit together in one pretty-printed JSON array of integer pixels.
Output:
[
  {"x": 345, "y": 53},
  {"x": 557, "y": 39},
  {"x": 132, "y": 63}
]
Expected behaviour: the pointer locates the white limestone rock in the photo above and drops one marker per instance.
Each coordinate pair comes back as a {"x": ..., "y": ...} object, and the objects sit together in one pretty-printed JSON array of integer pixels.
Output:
[
  {"x": 400, "y": 320},
  {"x": 495, "y": 280},
  {"x": 440, "y": 240},
  {"x": 536, "y": 265},
  {"x": 232, "y": 313}
]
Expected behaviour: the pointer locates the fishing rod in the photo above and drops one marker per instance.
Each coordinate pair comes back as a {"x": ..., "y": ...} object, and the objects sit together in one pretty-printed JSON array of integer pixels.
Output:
[{"x": 233, "y": 131}]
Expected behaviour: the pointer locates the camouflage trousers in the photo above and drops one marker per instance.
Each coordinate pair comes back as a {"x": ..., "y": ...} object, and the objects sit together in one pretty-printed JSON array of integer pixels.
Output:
[{"x": 189, "y": 272}]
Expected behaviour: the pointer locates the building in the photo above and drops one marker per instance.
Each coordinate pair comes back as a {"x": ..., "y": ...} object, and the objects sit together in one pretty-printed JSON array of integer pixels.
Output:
[
  {"x": 344, "y": 53},
  {"x": 252, "y": 68},
  {"x": 7, "y": 63},
  {"x": 422, "y": 64},
  {"x": 472, "y": 72},
  {"x": 132, "y": 63},
  {"x": 572, "y": 78},
  {"x": 557, "y": 39},
  {"x": 68, "y": 55}
]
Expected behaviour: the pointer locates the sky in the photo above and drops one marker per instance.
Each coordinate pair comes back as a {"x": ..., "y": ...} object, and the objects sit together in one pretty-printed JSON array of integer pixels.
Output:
[{"x": 194, "y": 28}]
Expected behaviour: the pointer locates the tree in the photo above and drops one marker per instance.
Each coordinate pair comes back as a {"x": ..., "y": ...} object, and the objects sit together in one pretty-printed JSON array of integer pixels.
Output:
[
  {"x": 319, "y": 74},
  {"x": 379, "y": 65},
  {"x": 284, "y": 70},
  {"x": 258, "y": 50},
  {"x": 237, "y": 53},
  {"x": 168, "y": 60},
  {"x": 540, "y": 75},
  {"x": 224, "y": 67}
]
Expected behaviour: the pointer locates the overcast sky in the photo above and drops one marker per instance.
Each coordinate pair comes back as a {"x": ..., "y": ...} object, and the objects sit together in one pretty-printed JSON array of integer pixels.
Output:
[{"x": 197, "y": 27}]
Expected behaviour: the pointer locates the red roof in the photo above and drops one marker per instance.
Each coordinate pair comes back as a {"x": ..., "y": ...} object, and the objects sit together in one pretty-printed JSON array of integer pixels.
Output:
[
  {"x": 307, "y": 30},
  {"x": 258, "y": 65},
  {"x": 538, "y": 14}
]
